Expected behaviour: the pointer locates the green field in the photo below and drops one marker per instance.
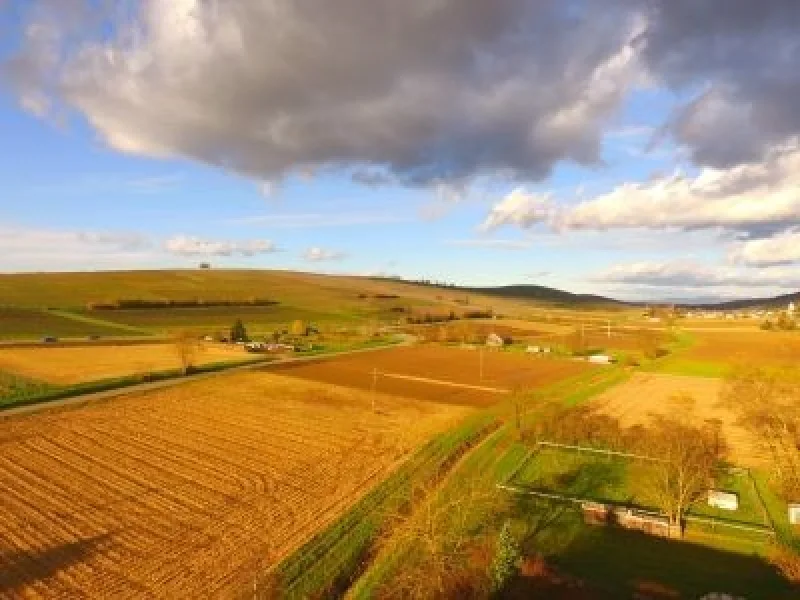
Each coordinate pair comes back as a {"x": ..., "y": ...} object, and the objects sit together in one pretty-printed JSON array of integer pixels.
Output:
[
  {"x": 21, "y": 390},
  {"x": 22, "y": 323},
  {"x": 621, "y": 480},
  {"x": 256, "y": 318},
  {"x": 613, "y": 563},
  {"x": 311, "y": 297}
]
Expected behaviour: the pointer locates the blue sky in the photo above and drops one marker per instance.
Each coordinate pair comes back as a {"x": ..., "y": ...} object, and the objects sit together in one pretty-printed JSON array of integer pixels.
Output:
[{"x": 609, "y": 186}]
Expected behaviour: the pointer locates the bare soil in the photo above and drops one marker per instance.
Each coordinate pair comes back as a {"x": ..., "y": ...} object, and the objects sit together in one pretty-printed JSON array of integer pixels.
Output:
[
  {"x": 501, "y": 370},
  {"x": 648, "y": 394},
  {"x": 188, "y": 492}
]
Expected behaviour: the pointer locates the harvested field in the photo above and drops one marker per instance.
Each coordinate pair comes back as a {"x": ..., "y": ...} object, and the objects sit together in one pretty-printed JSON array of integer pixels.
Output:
[
  {"x": 440, "y": 366},
  {"x": 745, "y": 348},
  {"x": 188, "y": 492},
  {"x": 647, "y": 394},
  {"x": 69, "y": 365}
]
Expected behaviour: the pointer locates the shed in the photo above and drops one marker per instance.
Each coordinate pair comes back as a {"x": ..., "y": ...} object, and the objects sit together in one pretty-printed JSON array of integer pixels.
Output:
[
  {"x": 794, "y": 514},
  {"x": 600, "y": 359},
  {"x": 723, "y": 500}
]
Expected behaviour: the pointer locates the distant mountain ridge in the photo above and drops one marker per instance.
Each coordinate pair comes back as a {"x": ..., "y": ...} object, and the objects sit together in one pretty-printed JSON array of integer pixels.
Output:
[
  {"x": 771, "y": 302},
  {"x": 543, "y": 293}
]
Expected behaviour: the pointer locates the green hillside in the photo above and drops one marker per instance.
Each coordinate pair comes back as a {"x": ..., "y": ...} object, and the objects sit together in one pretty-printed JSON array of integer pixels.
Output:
[{"x": 130, "y": 302}]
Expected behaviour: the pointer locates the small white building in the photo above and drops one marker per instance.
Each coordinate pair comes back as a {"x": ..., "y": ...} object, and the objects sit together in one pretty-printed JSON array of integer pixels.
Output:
[
  {"x": 794, "y": 514},
  {"x": 533, "y": 349},
  {"x": 791, "y": 308},
  {"x": 723, "y": 500},
  {"x": 494, "y": 341},
  {"x": 600, "y": 359}
]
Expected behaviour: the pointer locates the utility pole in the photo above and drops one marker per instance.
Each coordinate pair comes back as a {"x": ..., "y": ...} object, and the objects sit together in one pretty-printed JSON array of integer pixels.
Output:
[
  {"x": 374, "y": 387},
  {"x": 609, "y": 328},
  {"x": 480, "y": 371}
]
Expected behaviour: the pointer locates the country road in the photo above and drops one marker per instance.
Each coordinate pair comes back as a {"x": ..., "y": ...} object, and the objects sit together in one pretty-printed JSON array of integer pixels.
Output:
[{"x": 91, "y": 397}]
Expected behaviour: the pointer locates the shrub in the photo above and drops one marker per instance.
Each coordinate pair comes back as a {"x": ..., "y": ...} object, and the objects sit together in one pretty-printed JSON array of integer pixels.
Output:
[{"x": 507, "y": 559}]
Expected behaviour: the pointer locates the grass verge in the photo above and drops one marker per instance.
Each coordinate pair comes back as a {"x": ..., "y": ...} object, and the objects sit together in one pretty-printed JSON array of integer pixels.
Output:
[
  {"x": 328, "y": 563},
  {"x": 48, "y": 393}
]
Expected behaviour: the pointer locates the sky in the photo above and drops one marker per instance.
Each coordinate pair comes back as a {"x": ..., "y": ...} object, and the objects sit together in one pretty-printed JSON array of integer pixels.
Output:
[{"x": 646, "y": 150}]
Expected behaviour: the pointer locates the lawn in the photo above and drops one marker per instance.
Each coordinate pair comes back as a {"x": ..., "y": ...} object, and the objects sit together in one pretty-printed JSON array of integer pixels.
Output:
[
  {"x": 622, "y": 480},
  {"x": 15, "y": 389}
]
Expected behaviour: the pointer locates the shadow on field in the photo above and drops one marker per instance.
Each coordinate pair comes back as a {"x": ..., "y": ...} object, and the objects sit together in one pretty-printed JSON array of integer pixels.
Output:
[
  {"x": 20, "y": 568},
  {"x": 567, "y": 559}
]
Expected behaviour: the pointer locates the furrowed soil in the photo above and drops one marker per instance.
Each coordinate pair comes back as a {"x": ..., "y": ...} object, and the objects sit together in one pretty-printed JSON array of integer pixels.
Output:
[
  {"x": 427, "y": 370},
  {"x": 69, "y": 365},
  {"x": 649, "y": 394},
  {"x": 190, "y": 492}
]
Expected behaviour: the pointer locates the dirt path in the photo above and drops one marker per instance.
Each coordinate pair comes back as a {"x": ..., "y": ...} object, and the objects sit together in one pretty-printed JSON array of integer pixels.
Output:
[{"x": 465, "y": 386}]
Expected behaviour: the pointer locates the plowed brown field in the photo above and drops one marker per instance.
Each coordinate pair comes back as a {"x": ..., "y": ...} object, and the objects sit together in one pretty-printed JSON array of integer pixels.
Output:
[
  {"x": 66, "y": 365},
  {"x": 186, "y": 492},
  {"x": 647, "y": 394},
  {"x": 501, "y": 370}
]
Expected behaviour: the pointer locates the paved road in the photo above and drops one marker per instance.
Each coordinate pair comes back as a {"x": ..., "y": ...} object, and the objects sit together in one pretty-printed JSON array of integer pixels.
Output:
[{"x": 91, "y": 397}]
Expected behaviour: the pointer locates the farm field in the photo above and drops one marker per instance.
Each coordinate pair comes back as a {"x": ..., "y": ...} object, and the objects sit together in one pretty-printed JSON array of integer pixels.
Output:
[
  {"x": 190, "y": 492},
  {"x": 78, "y": 364},
  {"x": 440, "y": 374},
  {"x": 21, "y": 323},
  {"x": 257, "y": 318},
  {"x": 647, "y": 394},
  {"x": 717, "y": 353}
]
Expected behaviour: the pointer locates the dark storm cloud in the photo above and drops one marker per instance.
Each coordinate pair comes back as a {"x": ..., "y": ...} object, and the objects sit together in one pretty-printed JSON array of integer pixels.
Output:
[
  {"x": 742, "y": 56},
  {"x": 425, "y": 90}
]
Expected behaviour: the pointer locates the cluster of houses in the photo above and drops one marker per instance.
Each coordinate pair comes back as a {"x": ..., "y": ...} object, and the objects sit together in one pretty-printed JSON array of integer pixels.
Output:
[
  {"x": 268, "y": 347},
  {"x": 756, "y": 313}
]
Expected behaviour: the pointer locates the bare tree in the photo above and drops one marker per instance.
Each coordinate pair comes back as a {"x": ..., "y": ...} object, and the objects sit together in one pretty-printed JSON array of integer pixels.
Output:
[
  {"x": 187, "y": 347},
  {"x": 687, "y": 460},
  {"x": 768, "y": 404},
  {"x": 435, "y": 538}
]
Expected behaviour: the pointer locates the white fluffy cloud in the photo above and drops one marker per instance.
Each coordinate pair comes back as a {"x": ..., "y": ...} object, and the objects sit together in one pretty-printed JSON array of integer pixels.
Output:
[
  {"x": 751, "y": 196},
  {"x": 182, "y": 245},
  {"x": 317, "y": 254},
  {"x": 519, "y": 208},
  {"x": 684, "y": 274},
  {"x": 781, "y": 249}
]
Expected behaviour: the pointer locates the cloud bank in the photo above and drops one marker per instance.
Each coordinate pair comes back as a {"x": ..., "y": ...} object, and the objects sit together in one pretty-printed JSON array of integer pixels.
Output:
[
  {"x": 182, "y": 245},
  {"x": 317, "y": 254}
]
